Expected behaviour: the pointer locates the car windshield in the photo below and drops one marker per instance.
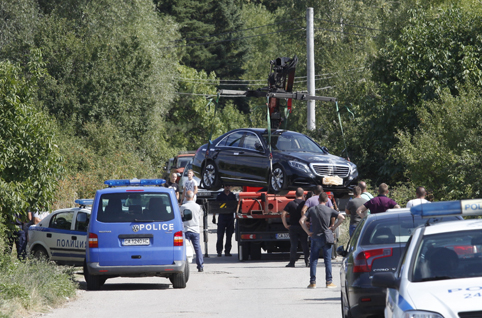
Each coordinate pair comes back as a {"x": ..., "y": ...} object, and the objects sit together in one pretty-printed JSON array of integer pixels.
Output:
[
  {"x": 395, "y": 230},
  {"x": 293, "y": 143},
  {"x": 182, "y": 162},
  {"x": 135, "y": 207},
  {"x": 448, "y": 256}
]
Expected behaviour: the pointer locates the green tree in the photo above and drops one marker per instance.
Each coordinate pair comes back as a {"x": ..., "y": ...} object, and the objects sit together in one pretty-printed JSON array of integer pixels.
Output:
[
  {"x": 443, "y": 152},
  {"x": 29, "y": 157},
  {"x": 106, "y": 64},
  {"x": 197, "y": 116},
  {"x": 209, "y": 30}
]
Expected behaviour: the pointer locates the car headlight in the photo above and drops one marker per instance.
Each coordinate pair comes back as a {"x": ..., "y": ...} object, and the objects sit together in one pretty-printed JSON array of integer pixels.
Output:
[
  {"x": 421, "y": 314},
  {"x": 300, "y": 166}
]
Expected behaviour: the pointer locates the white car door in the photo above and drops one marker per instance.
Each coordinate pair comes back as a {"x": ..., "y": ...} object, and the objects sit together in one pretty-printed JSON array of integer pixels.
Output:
[{"x": 59, "y": 237}]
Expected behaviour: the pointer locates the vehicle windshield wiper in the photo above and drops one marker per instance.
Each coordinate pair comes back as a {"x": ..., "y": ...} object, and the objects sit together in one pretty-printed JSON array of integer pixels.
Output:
[
  {"x": 436, "y": 278},
  {"x": 137, "y": 220}
]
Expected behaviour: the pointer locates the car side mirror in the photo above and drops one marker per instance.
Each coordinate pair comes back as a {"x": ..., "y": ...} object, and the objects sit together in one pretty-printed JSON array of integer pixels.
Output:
[
  {"x": 341, "y": 251},
  {"x": 186, "y": 215},
  {"x": 82, "y": 217},
  {"x": 385, "y": 280},
  {"x": 325, "y": 149}
]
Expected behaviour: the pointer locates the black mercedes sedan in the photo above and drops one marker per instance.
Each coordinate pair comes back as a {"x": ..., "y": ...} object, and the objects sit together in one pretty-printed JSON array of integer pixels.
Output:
[
  {"x": 375, "y": 247},
  {"x": 241, "y": 157}
]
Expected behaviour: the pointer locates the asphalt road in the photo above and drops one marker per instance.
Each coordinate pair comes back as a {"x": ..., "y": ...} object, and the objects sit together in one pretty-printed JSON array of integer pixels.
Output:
[{"x": 226, "y": 288}]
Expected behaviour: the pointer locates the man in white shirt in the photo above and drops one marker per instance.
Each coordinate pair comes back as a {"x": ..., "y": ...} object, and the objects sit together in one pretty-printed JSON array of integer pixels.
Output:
[
  {"x": 421, "y": 193},
  {"x": 191, "y": 228}
]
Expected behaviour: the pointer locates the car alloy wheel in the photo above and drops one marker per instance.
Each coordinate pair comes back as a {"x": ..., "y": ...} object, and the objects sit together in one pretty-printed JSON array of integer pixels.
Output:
[
  {"x": 277, "y": 179},
  {"x": 209, "y": 176}
]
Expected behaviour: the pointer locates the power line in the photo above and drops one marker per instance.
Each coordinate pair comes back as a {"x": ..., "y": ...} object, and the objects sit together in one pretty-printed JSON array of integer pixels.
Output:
[
  {"x": 231, "y": 40},
  {"x": 349, "y": 33},
  {"x": 236, "y": 31},
  {"x": 352, "y": 25}
]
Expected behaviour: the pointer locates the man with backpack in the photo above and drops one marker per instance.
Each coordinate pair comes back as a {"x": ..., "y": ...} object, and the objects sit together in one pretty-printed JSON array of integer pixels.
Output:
[{"x": 297, "y": 234}]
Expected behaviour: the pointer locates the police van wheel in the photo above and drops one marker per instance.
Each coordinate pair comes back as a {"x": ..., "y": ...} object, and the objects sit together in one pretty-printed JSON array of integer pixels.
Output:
[
  {"x": 94, "y": 282},
  {"x": 178, "y": 280},
  {"x": 186, "y": 272},
  {"x": 40, "y": 253}
]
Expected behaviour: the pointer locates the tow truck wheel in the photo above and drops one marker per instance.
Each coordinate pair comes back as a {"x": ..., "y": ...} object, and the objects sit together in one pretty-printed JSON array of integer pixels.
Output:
[
  {"x": 210, "y": 176},
  {"x": 277, "y": 179},
  {"x": 243, "y": 251},
  {"x": 255, "y": 251}
]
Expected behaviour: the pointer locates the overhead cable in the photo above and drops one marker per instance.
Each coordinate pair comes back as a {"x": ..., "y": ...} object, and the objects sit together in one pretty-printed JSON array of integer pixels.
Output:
[
  {"x": 231, "y": 40},
  {"x": 236, "y": 31}
]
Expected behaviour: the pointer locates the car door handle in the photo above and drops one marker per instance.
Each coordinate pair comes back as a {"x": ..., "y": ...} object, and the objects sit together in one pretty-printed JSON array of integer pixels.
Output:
[
  {"x": 238, "y": 153},
  {"x": 74, "y": 238},
  {"x": 49, "y": 235}
]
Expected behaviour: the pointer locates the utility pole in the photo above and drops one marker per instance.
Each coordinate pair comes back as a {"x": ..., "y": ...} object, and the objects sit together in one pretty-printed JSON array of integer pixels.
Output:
[{"x": 310, "y": 68}]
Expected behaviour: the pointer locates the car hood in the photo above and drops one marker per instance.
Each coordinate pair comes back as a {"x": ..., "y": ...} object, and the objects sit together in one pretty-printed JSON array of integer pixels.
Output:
[
  {"x": 311, "y": 157},
  {"x": 447, "y": 297}
]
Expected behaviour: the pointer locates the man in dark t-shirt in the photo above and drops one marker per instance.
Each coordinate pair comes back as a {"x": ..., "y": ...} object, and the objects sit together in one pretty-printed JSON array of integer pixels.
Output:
[
  {"x": 321, "y": 218},
  {"x": 171, "y": 184},
  {"x": 296, "y": 231}
]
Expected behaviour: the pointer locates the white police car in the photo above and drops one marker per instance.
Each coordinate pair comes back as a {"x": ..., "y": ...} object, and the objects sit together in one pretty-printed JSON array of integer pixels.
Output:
[
  {"x": 440, "y": 273},
  {"x": 62, "y": 235},
  {"x": 136, "y": 230}
]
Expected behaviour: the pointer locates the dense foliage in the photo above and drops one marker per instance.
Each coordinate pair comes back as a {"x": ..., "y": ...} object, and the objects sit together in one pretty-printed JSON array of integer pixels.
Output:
[{"x": 128, "y": 84}]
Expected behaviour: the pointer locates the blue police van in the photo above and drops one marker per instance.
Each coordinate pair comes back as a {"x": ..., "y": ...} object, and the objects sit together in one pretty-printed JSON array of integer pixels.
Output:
[{"x": 136, "y": 230}]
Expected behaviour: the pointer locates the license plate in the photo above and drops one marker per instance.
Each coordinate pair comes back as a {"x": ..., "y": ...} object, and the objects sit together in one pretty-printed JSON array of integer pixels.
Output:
[
  {"x": 283, "y": 236},
  {"x": 136, "y": 241}
]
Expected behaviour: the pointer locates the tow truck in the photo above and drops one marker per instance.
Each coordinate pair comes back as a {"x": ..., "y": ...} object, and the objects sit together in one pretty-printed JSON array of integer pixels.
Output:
[
  {"x": 258, "y": 221},
  {"x": 258, "y": 211}
]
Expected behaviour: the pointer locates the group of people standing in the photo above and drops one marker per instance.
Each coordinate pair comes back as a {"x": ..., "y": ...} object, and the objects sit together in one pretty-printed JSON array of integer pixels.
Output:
[
  {"x": 192, "y": 228},
  {"x": 316, "y": 218}
]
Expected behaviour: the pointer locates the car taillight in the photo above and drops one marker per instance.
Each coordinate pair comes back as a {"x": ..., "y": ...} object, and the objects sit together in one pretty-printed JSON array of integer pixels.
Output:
[
  {"x": 364, "y": 260},
  {"x": 178, "y": 240},
  {"x": 93, "y": 240}
]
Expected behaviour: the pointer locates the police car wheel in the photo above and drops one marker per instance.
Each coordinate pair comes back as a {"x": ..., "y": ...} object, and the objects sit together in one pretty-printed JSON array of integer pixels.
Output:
[
  {"x": 178, "y": 280},
  {"x": 40, "y": 253}
]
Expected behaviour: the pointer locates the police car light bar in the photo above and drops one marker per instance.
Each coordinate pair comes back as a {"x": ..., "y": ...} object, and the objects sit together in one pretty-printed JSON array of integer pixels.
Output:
[
  {"x": 448, "y": 208},
  {"x": 134, "y": 182},
  {"x": 84, "y": 202}
]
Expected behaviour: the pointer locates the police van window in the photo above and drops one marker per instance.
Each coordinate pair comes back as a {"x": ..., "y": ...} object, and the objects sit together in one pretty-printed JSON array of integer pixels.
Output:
[
  {"x": 128, "y": 207},
  {"x": 62, "y": 220},
  {"x": 82, "y": 225}
]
